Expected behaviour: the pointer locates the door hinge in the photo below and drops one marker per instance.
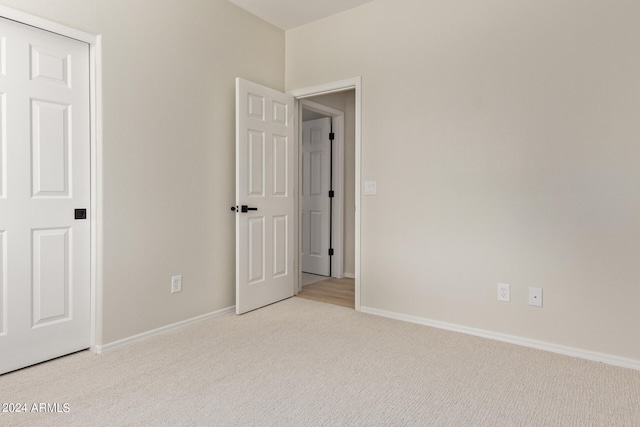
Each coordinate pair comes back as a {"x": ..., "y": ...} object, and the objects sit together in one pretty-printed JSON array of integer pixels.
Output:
[
  {"x": 332, "y": 136},
  {"x": 331, "y": 252},
  {"x": 332, "y": 194}
]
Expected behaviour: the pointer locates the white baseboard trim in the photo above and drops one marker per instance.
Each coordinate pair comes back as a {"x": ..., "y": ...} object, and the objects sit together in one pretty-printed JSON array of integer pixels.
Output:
[
  {"x": 350, "y": 275},
  {"x": 511, "y": 339},
  {"x": 99, "y": 349}
]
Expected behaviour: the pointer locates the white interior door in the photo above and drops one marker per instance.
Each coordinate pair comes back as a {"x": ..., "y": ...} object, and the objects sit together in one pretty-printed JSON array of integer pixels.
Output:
[
  {"x": 44, "y": 178},
  {"x": 265, "y": 174},
  {"x": 316, "y": 204}
]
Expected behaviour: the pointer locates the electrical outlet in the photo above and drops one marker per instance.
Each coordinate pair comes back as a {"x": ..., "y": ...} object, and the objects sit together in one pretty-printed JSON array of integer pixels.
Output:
[
  {"x": 176, "y": 284},
  {"x": 535, "y": 297},
  {"x": 504, "y": 292}
]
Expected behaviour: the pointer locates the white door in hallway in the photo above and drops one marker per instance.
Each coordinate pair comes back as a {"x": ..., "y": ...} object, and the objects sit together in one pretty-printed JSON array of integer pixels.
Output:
[
  {"x": 265, "y": 203},
  {"x": 44, "y": 178},
  {"x": 316, "y": 204}
]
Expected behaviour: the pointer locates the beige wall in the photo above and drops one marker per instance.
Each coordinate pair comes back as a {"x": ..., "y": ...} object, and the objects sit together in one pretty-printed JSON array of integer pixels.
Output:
[
  {"x": 504, "y": 138},
  {"x": 345, "y": 102},
  {"x": 169, "y": 159}
]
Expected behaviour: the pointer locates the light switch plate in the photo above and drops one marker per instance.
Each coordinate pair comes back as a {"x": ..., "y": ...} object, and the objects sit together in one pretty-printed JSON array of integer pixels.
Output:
[{"x": 370, "y": 188}]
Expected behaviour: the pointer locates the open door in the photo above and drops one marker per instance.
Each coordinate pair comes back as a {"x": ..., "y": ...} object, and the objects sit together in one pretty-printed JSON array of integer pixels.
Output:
[
  {"x": 316, "y": 196},
  {"x": 265, "y": 204}
]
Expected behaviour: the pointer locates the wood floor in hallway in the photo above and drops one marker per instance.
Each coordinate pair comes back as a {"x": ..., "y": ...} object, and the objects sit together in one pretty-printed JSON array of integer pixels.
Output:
[{"x": 332, "y": 291}]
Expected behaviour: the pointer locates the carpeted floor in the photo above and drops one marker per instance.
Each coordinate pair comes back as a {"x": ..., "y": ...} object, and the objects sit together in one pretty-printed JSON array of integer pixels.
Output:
[{"x": 301, "y": 362}]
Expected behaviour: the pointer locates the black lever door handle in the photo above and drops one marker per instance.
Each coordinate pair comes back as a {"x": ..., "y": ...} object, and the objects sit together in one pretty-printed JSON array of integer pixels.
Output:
[{"x": 243, "y": 209}]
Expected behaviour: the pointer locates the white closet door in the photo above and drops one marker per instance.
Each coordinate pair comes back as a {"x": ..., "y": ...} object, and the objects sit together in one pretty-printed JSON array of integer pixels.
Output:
[{"x": 44, "y": 178}]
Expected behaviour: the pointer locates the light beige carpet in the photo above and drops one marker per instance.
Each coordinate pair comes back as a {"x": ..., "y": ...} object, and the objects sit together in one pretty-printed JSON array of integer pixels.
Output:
[{"x": 301, "y": 363}]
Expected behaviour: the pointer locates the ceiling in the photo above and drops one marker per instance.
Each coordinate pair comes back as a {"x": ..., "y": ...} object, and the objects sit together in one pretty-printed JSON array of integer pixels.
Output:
[{"x": 288, "y": 14}]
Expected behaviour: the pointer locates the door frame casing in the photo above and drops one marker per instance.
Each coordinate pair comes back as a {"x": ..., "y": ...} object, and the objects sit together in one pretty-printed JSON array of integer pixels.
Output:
[
  {"x": 95, "y": 148},
  {"x": 337, "y": 159},
  {"x": 354, "y": 83}
]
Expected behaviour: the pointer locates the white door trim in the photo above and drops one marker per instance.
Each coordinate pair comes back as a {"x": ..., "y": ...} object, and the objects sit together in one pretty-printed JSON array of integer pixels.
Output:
[
  {"x": 95, "y": 92},
  {"x": 337, "y": 223},
  {"x": 354, "y": 83}
]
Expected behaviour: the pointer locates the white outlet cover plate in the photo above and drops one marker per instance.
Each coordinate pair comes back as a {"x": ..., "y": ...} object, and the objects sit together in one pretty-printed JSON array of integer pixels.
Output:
[
  {"x": 504, "y": 292},
  {"x": 535, "y": 297},
  {"x": 176, "y": 284}
]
